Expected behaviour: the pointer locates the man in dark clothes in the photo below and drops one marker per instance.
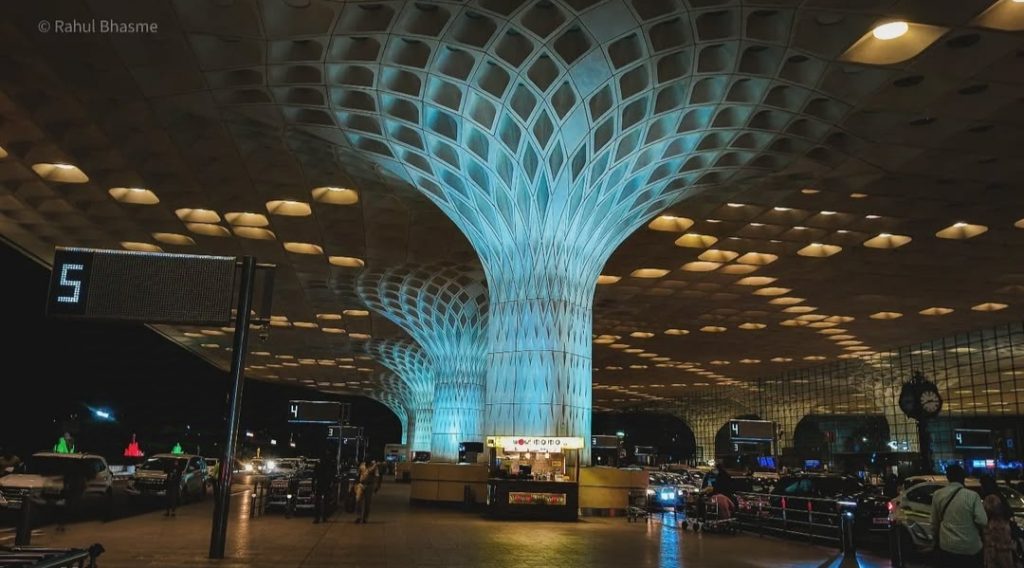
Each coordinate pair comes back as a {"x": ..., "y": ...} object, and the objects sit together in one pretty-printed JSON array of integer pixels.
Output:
[{"x": 323, "y": 483}]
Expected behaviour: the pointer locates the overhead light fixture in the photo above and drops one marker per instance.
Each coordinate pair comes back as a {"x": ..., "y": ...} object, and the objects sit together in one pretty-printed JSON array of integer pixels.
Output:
[
  {"x": 781, "y": 209},
  {"x": 335, "y": 195},
  {"x": 648, "y": 273},
  {"x": 346, "y": 261},
  {"x": 60, "y": 172},
  {"x": 140, "y": 247},
  {"x": 872, "y": 217},
  {"x": 133, "y": 195},
  {"x": 990, "y": 306},
  {"x": 255, "y": 233},
  {"x": 887, "y": 241},
  {"x": 641, "y": 334},
  {"x": 809, "y": 191},
  {"x": 303, "y": 248},
  {"x": 712, "y": 329},
  {"x": 289, "y": 208},
  {"x": 694, "y": 240},
  {"x": 935, "y": 311},
  {"x": 891, "y": 30},
  {"x": 701, "y": 266},
  {"x": 828, "y": 212},
  {"x": 189, "y": 215},
  {"x": 735, "y": 204},
  {"x": 670, "y": 223},
  {"x": 674, "y": 331},
  {"x": 246, "y": 219},
  {"x": 356, "y": 313},
  {"x": 961, "y": 230},
  {"x": 606, "y": 279},
  {"x": 174, "y": 239}
]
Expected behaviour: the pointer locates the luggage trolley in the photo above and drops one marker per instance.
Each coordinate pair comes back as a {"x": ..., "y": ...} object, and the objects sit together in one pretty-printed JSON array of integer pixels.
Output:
[
  {"x": 638, "y": 506},
  {"x": 709, "y": 519}
]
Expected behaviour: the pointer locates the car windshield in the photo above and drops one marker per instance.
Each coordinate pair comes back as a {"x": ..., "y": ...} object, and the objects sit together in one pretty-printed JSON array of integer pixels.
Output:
[
  {"x": 49, "y": 465},
  {"x": 161, "y": 464}
]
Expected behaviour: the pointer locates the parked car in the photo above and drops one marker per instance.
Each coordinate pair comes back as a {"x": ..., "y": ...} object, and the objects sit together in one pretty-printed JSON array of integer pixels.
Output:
[
  {"x": 43, "y": 478},
  {"x": 910, "y": 513},
  {"x": 151, "y": 476},
  {"x": 821, "y": 498},
  {"x": 663, "y": 492}
]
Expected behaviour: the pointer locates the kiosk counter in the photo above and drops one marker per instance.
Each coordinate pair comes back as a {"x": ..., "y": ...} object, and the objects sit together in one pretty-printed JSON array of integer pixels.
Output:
[{"x": 534, "y": 477}]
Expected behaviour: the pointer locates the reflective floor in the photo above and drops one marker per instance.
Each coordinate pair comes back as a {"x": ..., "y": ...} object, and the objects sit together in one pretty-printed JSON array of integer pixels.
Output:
[{"x": 402, "y": 536}]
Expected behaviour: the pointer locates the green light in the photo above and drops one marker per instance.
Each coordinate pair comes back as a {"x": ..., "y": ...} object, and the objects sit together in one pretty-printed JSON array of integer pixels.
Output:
[
  {"x": 177, "y": 449},
  {"x": 620, "y": 434},
  {"x": 61, "y": 447}
]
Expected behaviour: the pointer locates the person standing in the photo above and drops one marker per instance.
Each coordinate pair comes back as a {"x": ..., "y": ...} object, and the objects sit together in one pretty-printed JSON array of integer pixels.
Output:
[
  {"x": 368, "y": 485},
  {"x": 323, "y": 482},
  {"x": 74, "y": 488},
  {"x": 957, "y": 518},
  {"x": 172, "y": 488},
  {"x": 998, "y": 547}
]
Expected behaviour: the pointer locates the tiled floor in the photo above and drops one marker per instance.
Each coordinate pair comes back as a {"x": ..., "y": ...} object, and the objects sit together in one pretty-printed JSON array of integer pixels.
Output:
[{"x": 401, "y": 536}]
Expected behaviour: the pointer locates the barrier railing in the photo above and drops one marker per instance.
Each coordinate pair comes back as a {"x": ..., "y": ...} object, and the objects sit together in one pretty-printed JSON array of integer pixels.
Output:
[
  {"x": 259, "y": 495},
  {"x": 818, "y": 520},
  {"x": 40, "y": 557}
]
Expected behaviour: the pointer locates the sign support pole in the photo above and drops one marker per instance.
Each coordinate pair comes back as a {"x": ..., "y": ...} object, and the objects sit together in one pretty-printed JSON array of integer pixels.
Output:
[{"x": 240, "y": 346}]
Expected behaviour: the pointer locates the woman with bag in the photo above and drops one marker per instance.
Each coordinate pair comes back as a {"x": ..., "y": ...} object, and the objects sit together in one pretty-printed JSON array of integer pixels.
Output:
[{"x": 998, "y": 539}]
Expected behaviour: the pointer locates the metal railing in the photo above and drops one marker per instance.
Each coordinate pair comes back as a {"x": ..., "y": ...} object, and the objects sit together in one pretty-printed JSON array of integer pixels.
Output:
[
  {"x": 827, "y": 521},
  {"x": 40, "y": 557},
  {"x": 259, "y": 495}
]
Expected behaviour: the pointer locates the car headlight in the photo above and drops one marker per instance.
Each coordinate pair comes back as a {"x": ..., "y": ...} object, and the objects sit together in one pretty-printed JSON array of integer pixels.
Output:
[{"x": 247, "y": 467}]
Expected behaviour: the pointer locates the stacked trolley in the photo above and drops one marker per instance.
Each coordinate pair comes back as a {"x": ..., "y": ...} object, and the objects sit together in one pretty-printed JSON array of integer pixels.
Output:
[
  {"x": 711, "y": 519},
  {"x": 41, "y": 557},
  {"x": 639, "y": 506}
]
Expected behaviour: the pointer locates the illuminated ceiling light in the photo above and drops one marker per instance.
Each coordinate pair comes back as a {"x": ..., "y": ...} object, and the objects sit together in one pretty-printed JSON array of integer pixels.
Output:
[
  {"x": 1019, "y": 224},
  {"x": 781, "y": 209},
  {"x": 712, "y": 329},
  {"x": 647, "y": 355},
  {"x": 720, "y": 362},
  {"x": 716, "y": 255},
  {"x": 246, "y": 219},
  {"x": 810, "y": 317},
  {"x": 638, "y": 366},
  {"x": 329, "y": 317},
  {"x": 735, "y": 204},
  {"x": 359, "y": 336},
  {"x": 211, "y": 332},
  {"x": 750, "y": 361},
  {"x": 781, "y": 359},
  {"x": 255, "y": 233},
  {"x": 210, "y": 345},
  {"x": 714, "y": 220},
  {"x": 818, "y": 250},
  {"x": 887, "y": 241},
  {"x": 989, "y": 307},
  {"x": 757, "y": 224},
  {"x": 858, "y": 195},
  {"x": 305, "y": 324},
  {"x": 674, "y": 331},
  {"x": 642, "y": 334},
  {"x": 961, "y": 231},
  {"x": 280, "y": 324},
  {"x": 886, "y": 315},
  {"x": 891, "y": 30},
  {"x": 757, "y": 258},
  {"x": 809, "y": 191},
  {"x": 303, "y": 248},
  {"x": 738, "y": 269},
  {"x": 840, "y": 319},
  {"x": 60, "y": 173},
  {"x": 786, "y": 301},
  {"x": 208, "y": 230},
  {"x": 174, "y": 239},
  {"x": 189, "y": 215},
  {"x": 670, "y": 224},
  {"x": 839, "y": 337},
  {"x": 134, "y": 195},
  {"x": 3, "y": 153},
  {"x": 605, "y": 279},
  {"x": 700, "y": 266},
  {"x": 755, "y": 281},
  {"x": 346, "y": 261},
  {"x": 192, "y": 334},
  {"x": 752, "y": 325},
  {"x": 605, "y": 339},
  {"x": 648, "y": 273},
  {"x": 289, "y": 208},
  {"x": 771, "y": 291},
  {"x": 828, "y": 213},
  {"x": 800, "y": 309},
  {"x": 822, "y": 324},
  {"x": 619, "y": 345},
  {"x": 335, "y": 195},
  {"x": 793, "y": 323},
  {"x": 814, "y": 358},
  {"x": 356, "y": 313},
  {"x": 935, "y": 311},
  {"x": 694, "y": 240},
  {"x": 849, "y": 342},
  {"x": 140, "y": 247}
]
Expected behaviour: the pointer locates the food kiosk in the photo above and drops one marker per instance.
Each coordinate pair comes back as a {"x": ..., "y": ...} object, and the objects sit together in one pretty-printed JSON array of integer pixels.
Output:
[{"x": 534, "y": 477}]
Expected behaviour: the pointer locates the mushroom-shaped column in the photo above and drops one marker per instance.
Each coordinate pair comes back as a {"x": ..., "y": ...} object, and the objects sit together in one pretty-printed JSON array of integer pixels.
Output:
[
  {"x": 408, "y": 360},
  {"x": 444, "y": 308}
]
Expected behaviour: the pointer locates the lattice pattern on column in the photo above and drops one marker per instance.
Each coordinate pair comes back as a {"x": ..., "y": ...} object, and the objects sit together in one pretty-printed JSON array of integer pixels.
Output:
[
  {"x": 408, "y": 360},
  {"x": 444, "y": 308}
]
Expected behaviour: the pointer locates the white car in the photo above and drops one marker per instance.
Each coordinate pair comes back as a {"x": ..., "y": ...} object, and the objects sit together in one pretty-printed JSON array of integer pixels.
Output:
[
  {"x": 43, "y": 478},
  {"x": 150, "y": 476},
  {"x": 910, "y": 512}
]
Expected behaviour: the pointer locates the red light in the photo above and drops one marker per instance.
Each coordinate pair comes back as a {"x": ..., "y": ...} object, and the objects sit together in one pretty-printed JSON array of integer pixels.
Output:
[{"x": 890, "y": 506}]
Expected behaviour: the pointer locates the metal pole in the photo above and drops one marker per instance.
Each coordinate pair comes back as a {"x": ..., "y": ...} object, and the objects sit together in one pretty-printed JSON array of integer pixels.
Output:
[
  {"x": 240, "y": 346},
  {"x": 23, "y": 537}
]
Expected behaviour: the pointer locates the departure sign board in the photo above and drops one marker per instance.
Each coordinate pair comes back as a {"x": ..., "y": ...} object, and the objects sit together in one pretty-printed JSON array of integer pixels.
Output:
[
  {"x": 141, "y": 286},
  {"x": 315, "y": 411},
  {"x": 754, "y": 430},
  {"x": 970, "y": 439}
]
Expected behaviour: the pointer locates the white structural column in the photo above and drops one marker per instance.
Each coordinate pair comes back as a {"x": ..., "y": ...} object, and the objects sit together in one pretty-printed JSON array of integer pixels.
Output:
[
  {"x": 444, "y": 308},
  {"x": 408, "y": 360}
]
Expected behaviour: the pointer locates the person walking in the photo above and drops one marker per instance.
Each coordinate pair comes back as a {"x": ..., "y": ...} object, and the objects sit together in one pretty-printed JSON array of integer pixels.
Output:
[
  {"x": 172, "y": 488},
  {"x": 323, "y": 482},
  {"x": 958, "y": 516},
  {"x": 365, "y": 489},
  {"x": 998, "y": 547}
]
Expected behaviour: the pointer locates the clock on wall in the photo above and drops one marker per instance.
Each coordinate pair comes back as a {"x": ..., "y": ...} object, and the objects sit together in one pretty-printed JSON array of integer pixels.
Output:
[{"x": 920, "y": 398}]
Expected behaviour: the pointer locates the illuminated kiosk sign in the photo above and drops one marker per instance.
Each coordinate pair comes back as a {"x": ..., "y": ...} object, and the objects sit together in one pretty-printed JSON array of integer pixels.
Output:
[
  {"x": 970, "y": 439},
  {"x": 314, "y": 411},
  {"x": 141, "y": 286},
  {"x": 751, "y": 430},
  {"x": 534, "y": 443}
]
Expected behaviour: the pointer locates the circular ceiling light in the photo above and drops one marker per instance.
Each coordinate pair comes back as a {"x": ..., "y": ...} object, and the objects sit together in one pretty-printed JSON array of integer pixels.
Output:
[{"x": 892, "y": 30}]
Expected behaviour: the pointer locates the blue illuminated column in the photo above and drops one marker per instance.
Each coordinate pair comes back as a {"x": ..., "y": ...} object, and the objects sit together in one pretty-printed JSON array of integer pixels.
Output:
[
  {"x": 408, "y": 360},
  {"x": 444, "y": 308}
]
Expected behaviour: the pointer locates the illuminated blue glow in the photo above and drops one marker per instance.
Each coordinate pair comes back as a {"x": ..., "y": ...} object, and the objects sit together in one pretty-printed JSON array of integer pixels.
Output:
[
  {"x": 76, "y": 284},
  {"x": 444, "y": 308},
  {"x": 408, "y": 360}
]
